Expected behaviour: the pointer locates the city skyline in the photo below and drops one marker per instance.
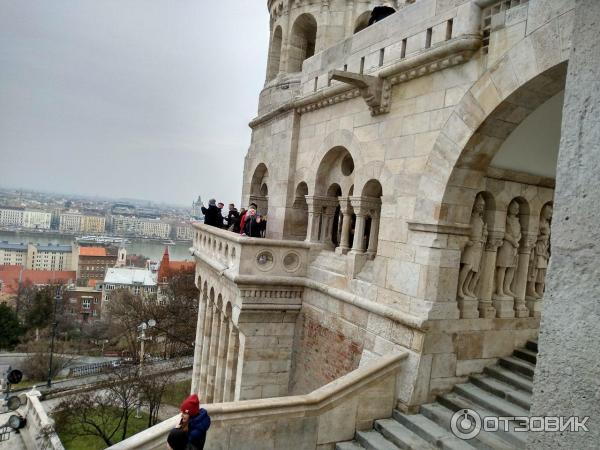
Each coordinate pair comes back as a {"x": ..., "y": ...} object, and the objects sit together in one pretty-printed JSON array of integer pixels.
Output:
[{"x": 129, "y": 100}]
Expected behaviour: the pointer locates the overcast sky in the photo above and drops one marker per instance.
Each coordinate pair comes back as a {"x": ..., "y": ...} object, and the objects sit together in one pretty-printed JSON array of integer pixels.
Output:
[{"x": 148, "y": 99}]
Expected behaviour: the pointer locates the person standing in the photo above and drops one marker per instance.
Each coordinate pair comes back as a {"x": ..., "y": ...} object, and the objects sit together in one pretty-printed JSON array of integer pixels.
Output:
[
  {"x": 212, "y": 214},
  {"x": 233, "y": 217},
  {"x": 244, "y": 216},
  {"x": 253, "y": 227}
]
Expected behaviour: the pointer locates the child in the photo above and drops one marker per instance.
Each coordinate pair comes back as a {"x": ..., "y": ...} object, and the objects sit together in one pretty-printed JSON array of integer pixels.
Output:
[{"x": 195, "y": 421}]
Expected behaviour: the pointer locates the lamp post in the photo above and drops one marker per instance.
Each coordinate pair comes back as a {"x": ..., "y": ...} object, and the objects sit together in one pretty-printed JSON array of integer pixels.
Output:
[
  {"x": 143, "y": 338},
  {"x": 57, "y": 297}
]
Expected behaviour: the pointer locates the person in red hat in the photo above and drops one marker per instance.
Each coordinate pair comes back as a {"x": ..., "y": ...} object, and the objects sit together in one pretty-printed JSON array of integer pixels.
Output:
[{"x": 195, "y": 421}]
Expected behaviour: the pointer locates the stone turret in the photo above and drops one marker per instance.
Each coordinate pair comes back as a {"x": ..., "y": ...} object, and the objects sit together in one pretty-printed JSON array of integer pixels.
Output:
[{"x": 301, "y": 28}]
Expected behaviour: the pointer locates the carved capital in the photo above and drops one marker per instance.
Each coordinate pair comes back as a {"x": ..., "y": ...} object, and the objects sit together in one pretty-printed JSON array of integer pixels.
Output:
[{"x": 365, "y": 206}]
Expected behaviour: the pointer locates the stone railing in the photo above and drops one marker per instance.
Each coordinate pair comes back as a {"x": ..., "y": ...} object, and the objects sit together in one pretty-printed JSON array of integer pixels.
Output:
[
  {"x": 327, "y": 415},
  {"x": 39, "y": 432},
  {"x": 240, "y": 255}
]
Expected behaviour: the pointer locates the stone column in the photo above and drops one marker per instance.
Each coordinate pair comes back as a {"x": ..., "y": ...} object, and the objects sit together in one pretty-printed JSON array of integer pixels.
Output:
[
  {"x": 566, "y": 379},
  {"x": 231, "y": 366},
  {"x": 346, "y": 210},
  {"x": 487, "y": 273},
  {"x": 329, "y": 207},
  {"x": 212, "y": 358},
  {"x": 208, "y": 321},
  {"x": 520, "y": 283},
  {"x": 373, "y": 236},
  {"x": 198, "y": 343},
  {"x": 221, "y": 358},
  {"x": 358, "y": 245},
  {"x": 314, "y": 217}
]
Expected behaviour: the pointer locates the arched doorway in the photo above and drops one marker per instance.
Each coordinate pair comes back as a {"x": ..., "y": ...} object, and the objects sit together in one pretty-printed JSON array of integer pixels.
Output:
[
  {"x": 274, "y": 54},
  {"x": 303, "y": 38},
  {"x": 259, "y": 189}
]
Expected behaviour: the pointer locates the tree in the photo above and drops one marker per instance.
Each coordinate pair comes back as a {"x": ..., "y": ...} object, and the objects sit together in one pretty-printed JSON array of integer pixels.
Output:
[
  {"x": 104, "y": 413},
  {"x": 10, "y": 328},
  {"x": 152, "y": 389}
]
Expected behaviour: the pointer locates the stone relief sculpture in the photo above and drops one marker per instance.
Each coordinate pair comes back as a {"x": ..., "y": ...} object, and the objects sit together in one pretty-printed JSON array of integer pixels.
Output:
[
  {"x": 508, "y": 257},
  {"x": 471, "y": 257},
  {"x": 540, "y": 255}
]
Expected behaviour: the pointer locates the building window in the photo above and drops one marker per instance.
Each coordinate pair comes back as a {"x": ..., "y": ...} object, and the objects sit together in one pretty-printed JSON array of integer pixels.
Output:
[{"x": 85, "y": 303}]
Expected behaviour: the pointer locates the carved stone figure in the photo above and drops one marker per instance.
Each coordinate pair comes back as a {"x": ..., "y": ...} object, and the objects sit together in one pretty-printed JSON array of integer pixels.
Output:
[
  {"x": 540, "y": 256},
  {"x": 471, "y": 257},
  {"x": 508, "y": 257}
]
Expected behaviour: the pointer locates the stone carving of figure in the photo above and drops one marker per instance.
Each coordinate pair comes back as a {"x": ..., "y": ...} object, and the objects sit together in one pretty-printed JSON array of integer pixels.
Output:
[
  {"x": 471, "y": 257},
  {"x": 540, "y": 256},
  {"x": 506, "y": 262}
]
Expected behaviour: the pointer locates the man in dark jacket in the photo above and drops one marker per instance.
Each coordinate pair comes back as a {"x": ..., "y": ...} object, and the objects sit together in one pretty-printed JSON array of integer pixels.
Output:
[
  {"x": 253, "y": 226},
  {"x": 212, "y": 214},
  {"x": 233, "y": 218}
]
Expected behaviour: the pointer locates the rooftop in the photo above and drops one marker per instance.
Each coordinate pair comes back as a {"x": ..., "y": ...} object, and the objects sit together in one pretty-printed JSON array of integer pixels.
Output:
[
  {"x": 5, "y": 245},
  {"x": 92, "y": 251},
  {"x": 129, "y": 276},
  {"x": 10, "y": 276},
  {"x": 54, "y": 248}
]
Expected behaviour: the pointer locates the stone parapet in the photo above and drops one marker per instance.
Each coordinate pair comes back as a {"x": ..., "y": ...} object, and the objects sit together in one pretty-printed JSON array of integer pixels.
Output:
[{"x": 327, "y": 415}]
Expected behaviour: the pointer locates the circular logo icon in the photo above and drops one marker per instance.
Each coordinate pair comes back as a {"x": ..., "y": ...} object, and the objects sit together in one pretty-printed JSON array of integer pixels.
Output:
[{"x": 465, "y": 424}]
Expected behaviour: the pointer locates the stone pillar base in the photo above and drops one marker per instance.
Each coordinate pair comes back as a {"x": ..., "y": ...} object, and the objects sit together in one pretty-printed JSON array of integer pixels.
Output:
[
  {"x": 504, "y": 307},
  {"x": 487, "y": 310},
  {"x": 341, "y": 251},
  {"x": 521, "y": 310},
  {"x": 355, "y": 263},
  {"x": 468, "y": 308},
  {"x": 535, "y": 306}
]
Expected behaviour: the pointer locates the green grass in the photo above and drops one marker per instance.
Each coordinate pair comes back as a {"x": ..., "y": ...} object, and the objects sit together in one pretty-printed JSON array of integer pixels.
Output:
[
  {"x": 95, "y": 443},
  {"x": 176, "y": 393}
]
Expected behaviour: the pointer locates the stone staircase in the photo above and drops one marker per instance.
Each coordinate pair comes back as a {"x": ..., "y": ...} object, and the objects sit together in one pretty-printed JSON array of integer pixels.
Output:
[{"x": 502, "y": 390}]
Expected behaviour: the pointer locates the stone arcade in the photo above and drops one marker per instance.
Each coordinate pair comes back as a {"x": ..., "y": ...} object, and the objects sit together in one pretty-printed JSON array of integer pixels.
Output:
[{"x": 407, "y": 170}]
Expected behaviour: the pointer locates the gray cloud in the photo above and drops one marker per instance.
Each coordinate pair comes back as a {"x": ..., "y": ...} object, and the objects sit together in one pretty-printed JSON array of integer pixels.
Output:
[{"x": 136, "y": 98}]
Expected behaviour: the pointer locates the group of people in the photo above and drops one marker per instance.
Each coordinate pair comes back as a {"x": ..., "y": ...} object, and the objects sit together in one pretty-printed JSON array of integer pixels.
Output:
[{"x": 246, "y": 222}]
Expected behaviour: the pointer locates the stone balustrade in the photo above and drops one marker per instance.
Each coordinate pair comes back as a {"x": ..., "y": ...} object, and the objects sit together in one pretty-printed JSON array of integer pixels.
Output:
[
  {"x": 327, "y": 415},
  {"x": 39, "y": 431},
  {"x": 244, "y": 256}
]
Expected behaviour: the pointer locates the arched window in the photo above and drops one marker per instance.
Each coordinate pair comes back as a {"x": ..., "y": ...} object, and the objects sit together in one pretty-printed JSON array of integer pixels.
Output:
[
  {"x": 362, "y": 21},
  {"x": 302, "y": 42},
  {"x": 274, "y": 54}
]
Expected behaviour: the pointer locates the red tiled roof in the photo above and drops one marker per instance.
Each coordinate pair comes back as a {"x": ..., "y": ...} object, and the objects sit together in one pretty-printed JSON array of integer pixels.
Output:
[
  {"x": 10, "y": 276},
  {"x": 92, "y": 251}
]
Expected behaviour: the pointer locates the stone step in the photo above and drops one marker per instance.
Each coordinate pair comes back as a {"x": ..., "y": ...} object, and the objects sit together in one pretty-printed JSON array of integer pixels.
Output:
[
  {"x": 349, "y": 445},
  {"x": 455, "y": 402},
  {"x": 526, "y": 355},
  {"x": 532, "y": 345},
  {"x": 512, "y": 378},
  {"x": 483, "y": 441},
  {"x": 401, "y": 436},
  {"x": 490, "y": 401},
  {"x": 502, "y": 390},
  {"x": 373, "y": 440},
  {"x": 518, "y": 365},
  {"x": 431, "y": 432}
]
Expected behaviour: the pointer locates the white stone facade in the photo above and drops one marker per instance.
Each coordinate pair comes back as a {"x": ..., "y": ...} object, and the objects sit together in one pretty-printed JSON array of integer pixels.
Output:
[{"x": 368, "y": 158}]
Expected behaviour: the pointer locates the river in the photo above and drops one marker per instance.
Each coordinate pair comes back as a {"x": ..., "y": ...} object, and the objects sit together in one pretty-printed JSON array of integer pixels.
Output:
[{"x": 150, "y": 249}]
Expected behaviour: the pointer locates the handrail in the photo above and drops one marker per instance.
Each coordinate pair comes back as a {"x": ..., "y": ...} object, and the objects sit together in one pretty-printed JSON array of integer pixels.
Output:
[
  {"x": 311, "y": 404},
  {"x": 230, "y": 236}
]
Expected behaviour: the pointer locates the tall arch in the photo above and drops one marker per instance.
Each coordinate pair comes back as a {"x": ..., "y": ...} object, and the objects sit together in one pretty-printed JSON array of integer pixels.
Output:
[
  {"x": 299, "y": 214},
  {"x": 302, "y": 42},
  {"x": 275, "y": 54},
  {"x": 362, "y": 21},
  {"x": 259, "y": 188}
]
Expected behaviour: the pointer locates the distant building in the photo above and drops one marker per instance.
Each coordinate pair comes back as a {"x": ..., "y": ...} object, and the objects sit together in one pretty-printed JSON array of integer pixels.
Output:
[
  {"x": 93, "y": 262},
  {"x": 169, "y": 269},
  {"x": 138, "y": 281},
  {"x": 13, "y": 254},
  {"x": 11, "y": 217},
  {"x": 93, "y": 224},
  {"x": 142, "y": 227},
  {"x": 83, "y": 303},
  {"x": 70, "y": 221},
  {"x": 184, "y": 232},
  {"x": 197, "y": 209},
  {"x": 51, "y": 257},
  {"x": 40, "y": 220}
]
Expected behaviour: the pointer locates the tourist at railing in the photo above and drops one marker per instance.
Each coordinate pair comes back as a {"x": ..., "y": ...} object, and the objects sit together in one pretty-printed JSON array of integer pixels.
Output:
[
  {"x": 254, "y": 225},
  {"x": 233, "y": 218},
  {"x": 243, "y": 216},
  {"x": 212, "y": 214}
]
